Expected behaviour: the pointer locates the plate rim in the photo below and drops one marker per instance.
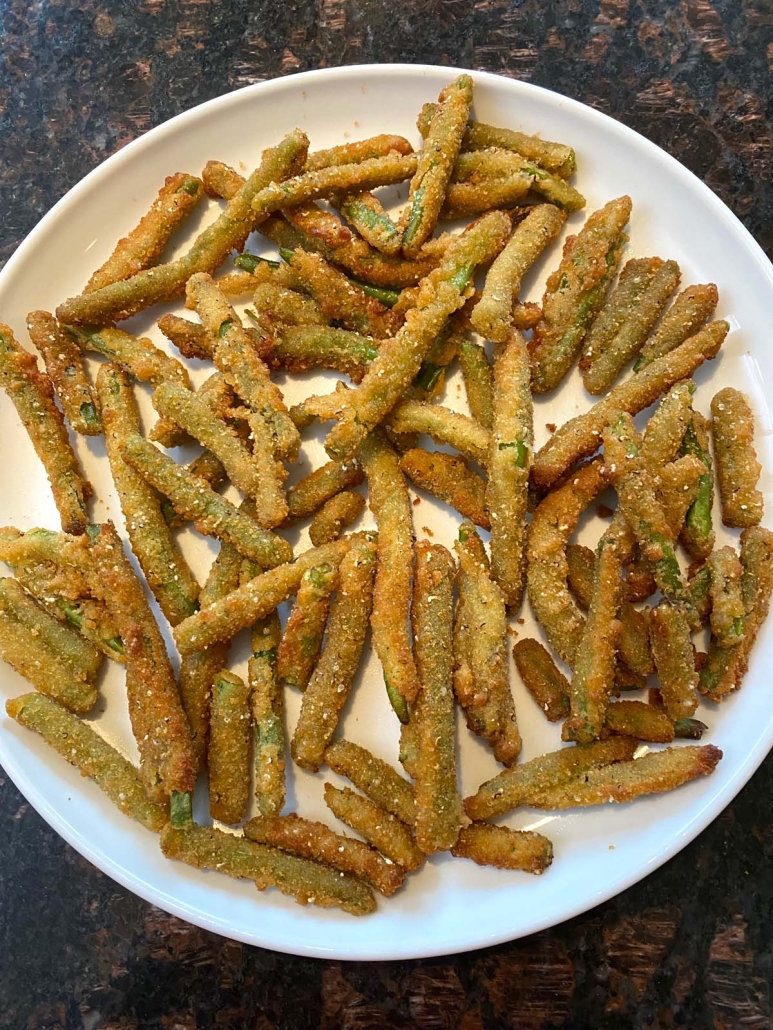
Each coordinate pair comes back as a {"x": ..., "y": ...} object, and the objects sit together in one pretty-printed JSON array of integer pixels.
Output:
[{"x": 699, "y": 820}]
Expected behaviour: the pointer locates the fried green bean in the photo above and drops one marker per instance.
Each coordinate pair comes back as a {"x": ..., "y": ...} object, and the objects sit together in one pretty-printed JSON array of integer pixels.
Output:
[
  {"x": 522, "y": 784},
  {"x": 687, "y": 314},
  {"x": 504, "y": 848},
  {"x": 480, "y": 651},
  {"x": 575, "y": 292},
  {"x": 334, "y": 516},
  {"x": 677, "y": 489},
  {"x": 478, "y": 381},
  {"x": 391, "y": 507},
  {"x": 488, "y": 168},
  {"x": 725, "y": 667},
  {"x": 639, "y": 720},
  {"x": 55, "y": 659},
  {"x": 310, "y": 883},
  {"x": 493, "y": 314},
  {"x": 738, "y": 470},
  {"x": 287, "y": 306},
  {"x": 301, "y": 348},
  {"x": 654, "y": 773},
  {"x": 146, "y": 242},
  {"x": 359, "y": 150},
  {"x": 727, "y": 607},
  {"x": 379, "y": 828},
  {"x": 581, "y": 435},
  {"x": 697, "y": 535},
  {"x": 333, "y": 677},
  {"x": 168, "y": 575},
  {"x": 699, "y": 585},
  {"x": 211, "y": 247},
  {"x": 399, "y": 359},
  {"x": 365, "y": 213},
  {"x": 318, "y": 842},
  {"x": 664, "y": 433},
  {"x": 450, "y": 480},
  {"x": 228, "y": 754},
  {"x": 542, "y": 678},
  {"x": 67, "y": 372},
  {"x": 674, "y": 656},
  {"x": 301, "y": 641},
  {"x": 375, "y": 778},
  {"x": 438, "y": 807},
  {"x": 33, "y": 398},
  {"x": 219, "y": 398},
  {"x": 83, "y": 747},
  {"x": 137, "y": 355},
  {"x": 444, "y": 426},
  {"x": 630, "y": 312},
  {"x": 509, "y": 461},
  {"x": 552, "y": 523},
  {"x": 469, "y": 199},
  {"x": 267, "y": 705},
  {"x": 311, "y": 492}
]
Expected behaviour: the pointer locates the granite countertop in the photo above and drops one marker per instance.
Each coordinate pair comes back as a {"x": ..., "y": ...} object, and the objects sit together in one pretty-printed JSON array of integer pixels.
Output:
[{"x": 688, "y": 947}]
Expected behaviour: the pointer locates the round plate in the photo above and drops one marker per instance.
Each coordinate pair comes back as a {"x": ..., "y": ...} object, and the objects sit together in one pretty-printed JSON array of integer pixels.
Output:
[{"x": 451, "y": 905}]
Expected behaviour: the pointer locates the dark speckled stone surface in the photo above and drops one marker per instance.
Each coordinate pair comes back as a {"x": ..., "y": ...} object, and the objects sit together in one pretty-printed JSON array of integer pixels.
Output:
[{"x": 689, "y": 947}]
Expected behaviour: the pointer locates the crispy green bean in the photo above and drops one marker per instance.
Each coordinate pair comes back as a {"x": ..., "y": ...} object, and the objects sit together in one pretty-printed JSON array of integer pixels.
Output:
[
  {"x": 664, "y": 433},
  {"x": 123, "y": 299},
  {"x": 83, "y": 747},
  {"x": 310, "y": 883},
  {"x": 301, "y": 348},
  {"x": 376, "y": 825},
  {"x": 639, "y": 720},
  {"x": 487, "y": 168},
  {"x": 575, "y": 291},
  {"x": 67, "y": 372},
  {"x": 699, "y": 585},
  {"x": 438, "y": 807},
  {"x": 33, "y": 398},
  {"x": 697, "y": 535},
  {"x": 677, "y": 489},
  {"x": 727, "y": 607},
  {"x": 444, "y": 426},
  {"x": 359, "y": 150},
  {"x": 137, "y": 355},
  {"x": 365, "y": 213},
  {"x": 674, "y": 656},
  {"x": 687, "y": 314},
  {"x": 478, "y": 381},
  {"x": 219, "y": 398},
  {"x": 334, "y": 516},
  {"x": 287, "y": 306},
  {"x": 301, "y": 641},
  {"x": 267, "y": 704},
  {"x": 311, "y": 492},
  {"x": 738, "y": 470},
  {"x": 469, "y": 199},
  {"x": 450, "y": 480},
  {"x": 146, "y": 242},
  {"x": 493, "y": 314},
  {"x": 542, "y": 678},
  {"x": 228, "y": 754},
  {"x": 382, "y": 783},
  {"x": 504, "y": 848},
  {"x": 168, "y": 575},
  {"x": 332, "y": 679},
  {"x": 581, "y": 435}
]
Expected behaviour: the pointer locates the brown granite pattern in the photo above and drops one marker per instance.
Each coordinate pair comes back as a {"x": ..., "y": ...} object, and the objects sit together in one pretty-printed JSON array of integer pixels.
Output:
[{"x": 689, "y": 947}]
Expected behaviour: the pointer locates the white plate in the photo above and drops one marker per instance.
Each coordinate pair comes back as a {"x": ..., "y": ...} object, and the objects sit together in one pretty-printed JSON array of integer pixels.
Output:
[{"x": 452, "y": 905}]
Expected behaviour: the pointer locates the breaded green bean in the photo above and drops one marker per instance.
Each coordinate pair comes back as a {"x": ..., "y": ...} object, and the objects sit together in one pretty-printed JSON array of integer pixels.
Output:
[
  {"x": 581, "y": 435},
  {"x": 210, "y": 248},
  {"x": 504, "y": 848},
  {"x": 33, "y": 398},
  {"x": 690, "y": 310},
  {"x": 391, "y": 507},
  {"x": 375, "y": 778},
  {"x": 219, "y": 398},
  {"x": 520, "y": 785},
  {"x": 137, "y": 355},
  {"x": 697, "y": 535},
  {"x": 727, "y": 606},
  {"x": 83, "y": 747},
  {"x": 379, "y": 828},
  {"x": 699, "y": 585},
  {"x": 311, "y": 492},
  {"x": 639, "y": 720},
  {"x": 436, "y": 162},
  {"x": 29, "y": 639},
  {"x": 197, "y": 502},
  {"x": 198, "y": 669},
  {"x": 235, "y": 356},
  {"x": 487, "y": 168},
  {"x": 340, "y": 299},
  {"x": 640, "y": 508},
  {"x": 677, "y": 489},
  {"x": 431, "y": 375},
  {"x": 470, "y": 199},
  {"x": 632, "y": 309},
  {"x": 359, "y": 150},
  {"x": 365, "y": 213},
  {"x": 478, "y": 381},
  {"x": 493, "y": 314},
  {"x": 738, "y": 470},
  {"x": 399, "y": 359},
  {"x": 450, "y": 480},
  {"x": 480, "y": 651},
  {"x": 287, "y": 306},
  {"x": 332, "y": 679},
  {"x": 674, "y": 656},
  {"x": 318, "y": 842},
  {"x": 228, "y": 754},
  {"x": 67, "y": 372},
  {"x": 594, "y": 666},
  {"x": 575, "y": 292},
  {"x": 168, "y": 575},
  {"x": 542, "y": 678},
  {"x": 205, "y": 847},
  {"x": 301, "y": 641},
  {"x": 651, "y": 774},
  {"x": 301, "y": 348},
  {"x": 552, "y": 523},
  {"x": 438, "y": 806},
  {"x": 725, "y": 667},
  {"x": 509, "y": 461},
  {"x": 190, "y": 338},
  {"x": 444, "y": 426},
  {"x": 146, "y": 242},
  {"x": 555, "y": 157},
  {"x": 664, "y": 433},
  {"x": 267, "y": 704},
  {"x": 334, "y": 516}
]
